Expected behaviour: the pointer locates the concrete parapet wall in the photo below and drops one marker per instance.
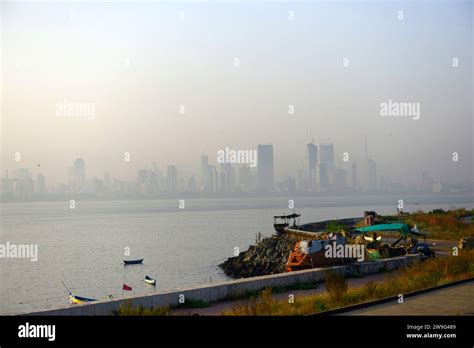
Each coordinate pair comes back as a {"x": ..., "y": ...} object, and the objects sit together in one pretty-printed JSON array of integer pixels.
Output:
[
  {"x": 227, "y": 290},
  {"x": 300, "y": 234}
]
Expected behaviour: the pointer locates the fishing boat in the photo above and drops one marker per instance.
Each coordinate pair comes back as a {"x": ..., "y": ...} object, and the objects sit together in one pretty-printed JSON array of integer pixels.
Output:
[
  {"x": 280, "y": 222},
  {"x": 74, "y": 299},
  {"x": 150, "y": 280},
  {"x": 312, "y": 253},
  {"x": 132, "y": 262}
]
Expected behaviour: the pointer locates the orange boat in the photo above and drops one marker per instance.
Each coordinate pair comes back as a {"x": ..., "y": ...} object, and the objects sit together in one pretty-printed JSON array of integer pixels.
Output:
[{"x": 310, "y": 254}]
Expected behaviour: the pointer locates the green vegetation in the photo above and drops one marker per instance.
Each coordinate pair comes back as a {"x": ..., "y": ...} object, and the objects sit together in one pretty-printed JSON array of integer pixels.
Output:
[
  {"x": 416, "y": 277},
  {"x": 335, "y": 226},
  {"x": 443, "y": 224},
  {"x": 336, "y": 285},
  {"x": 276, "y": 290},
  {"x": 129, "y": 310},
  {"x": 439, "y": 224}
]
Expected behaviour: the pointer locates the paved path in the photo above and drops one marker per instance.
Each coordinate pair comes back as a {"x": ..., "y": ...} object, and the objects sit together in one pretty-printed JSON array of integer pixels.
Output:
[{"x": 455, "y": 300}]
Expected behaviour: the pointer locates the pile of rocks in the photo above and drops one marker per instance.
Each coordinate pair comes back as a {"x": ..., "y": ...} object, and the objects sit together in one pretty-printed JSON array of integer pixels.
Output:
[{"x": 267, "y": 257}]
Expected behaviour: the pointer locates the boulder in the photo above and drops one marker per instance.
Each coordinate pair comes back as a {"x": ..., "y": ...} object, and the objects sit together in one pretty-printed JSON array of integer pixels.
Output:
[{"x": 269, "y": 256}]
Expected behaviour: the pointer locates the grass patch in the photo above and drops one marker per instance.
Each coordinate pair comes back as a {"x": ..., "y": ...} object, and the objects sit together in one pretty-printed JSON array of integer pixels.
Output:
[
  {"x": 335, "y": 226},
  {"x": 443, "y": 224},
  {"x": 429, "y": 273},
  {"x": 336, "y": 285},
  {"x": 440, "y": 224},
  {"x": 275, "y": 290},
  {"x": 128, "y": 310}
]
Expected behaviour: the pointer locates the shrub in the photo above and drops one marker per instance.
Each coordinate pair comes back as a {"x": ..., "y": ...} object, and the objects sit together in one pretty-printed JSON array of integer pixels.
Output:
[
  {"x": 370, "y": 288},
  {"x": 336, "y": 285},
  {"x": 128, "y": 310}
]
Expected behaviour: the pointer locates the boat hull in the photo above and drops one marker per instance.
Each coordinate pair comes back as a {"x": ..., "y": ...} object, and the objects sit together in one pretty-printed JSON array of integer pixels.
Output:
[
  {"x": 299, "y": 260},
  {"x": 280, "y": 228},
  {"x": 150, "y": 281},
  {"x": 78, "y": 299},
  {"x": 132, "y": 262}
]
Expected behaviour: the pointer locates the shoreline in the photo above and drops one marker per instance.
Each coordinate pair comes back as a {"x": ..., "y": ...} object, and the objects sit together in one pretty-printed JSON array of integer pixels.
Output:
[{"x": 225, "y": 290}]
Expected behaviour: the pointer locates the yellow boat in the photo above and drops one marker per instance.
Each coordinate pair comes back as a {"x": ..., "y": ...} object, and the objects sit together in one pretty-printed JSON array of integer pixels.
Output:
[{"x": 78, "y": 299}]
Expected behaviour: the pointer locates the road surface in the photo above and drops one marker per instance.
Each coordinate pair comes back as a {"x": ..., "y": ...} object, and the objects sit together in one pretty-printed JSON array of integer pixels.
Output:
[{"x": 455, "y": 300}]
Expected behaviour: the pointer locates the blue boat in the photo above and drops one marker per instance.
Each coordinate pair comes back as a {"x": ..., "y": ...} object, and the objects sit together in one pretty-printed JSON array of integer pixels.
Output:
[
  {"x": 78, "y": 299},
  {"x": 132, "y": 262}
]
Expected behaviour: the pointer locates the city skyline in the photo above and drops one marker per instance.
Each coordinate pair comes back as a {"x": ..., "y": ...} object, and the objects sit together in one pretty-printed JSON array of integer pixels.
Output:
[
  {"x": 320, "y": 175},
  {"x": 212, "y": 83}
]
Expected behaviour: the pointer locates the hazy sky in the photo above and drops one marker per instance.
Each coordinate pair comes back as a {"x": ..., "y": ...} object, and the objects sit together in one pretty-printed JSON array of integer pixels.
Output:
[{"x": 137, "y": 62}]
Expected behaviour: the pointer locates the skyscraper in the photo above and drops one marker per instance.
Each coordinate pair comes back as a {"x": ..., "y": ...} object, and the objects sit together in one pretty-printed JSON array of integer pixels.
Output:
[
  {"x": 227, "y": 177},
  {"x": 213, "y": 180},
  {"x": 6, "y": 187},
  {"x": 40, "y": 186},
  {"x": 312, "y": 155},
  {"x": 355, "y": 180},
  {"x": 152, "y": 182},
  {"x": 222, "y": 182},
  {"x": 265, "y": 168},
  {"x": 372, "y": 177},
  {"x": 141, "y": 176},
  {"x": 24, "y": 187},
  {"x": 326, "y": 157},
  {"x": 79, "y": 175},
  {"x": 322, "y": 178},
  {"x": 141, "y": 181},
  {"x": 192, "y": 186},
  {"x": 205, "y": 174},
  {"x": 107, "y": 182},
  {"x": 172, "y": 179},
  {"x": 340, "y": 179},
  {"x": 245, "y": 179}
]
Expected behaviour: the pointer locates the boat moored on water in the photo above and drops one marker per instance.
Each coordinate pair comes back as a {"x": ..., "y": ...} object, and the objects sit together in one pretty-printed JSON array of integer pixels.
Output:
[
  {"x": 74, "y": 299},
  {"x": 150, "y": 280},
  {"x": 280, "y": 222},
  {"x": 133, "y": 262}
]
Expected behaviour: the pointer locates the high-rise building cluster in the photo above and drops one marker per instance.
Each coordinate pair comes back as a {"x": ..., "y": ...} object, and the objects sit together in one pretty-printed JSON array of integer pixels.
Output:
[{"x": 319, "y": 175}]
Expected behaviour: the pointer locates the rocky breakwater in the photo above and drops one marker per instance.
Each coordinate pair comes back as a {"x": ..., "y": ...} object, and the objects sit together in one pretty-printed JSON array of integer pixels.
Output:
[{"x": 269, "y": 256}]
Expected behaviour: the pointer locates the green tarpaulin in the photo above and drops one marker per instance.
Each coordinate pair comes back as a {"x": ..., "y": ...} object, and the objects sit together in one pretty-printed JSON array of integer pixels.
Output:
[{"x": 404, "y": 229}]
